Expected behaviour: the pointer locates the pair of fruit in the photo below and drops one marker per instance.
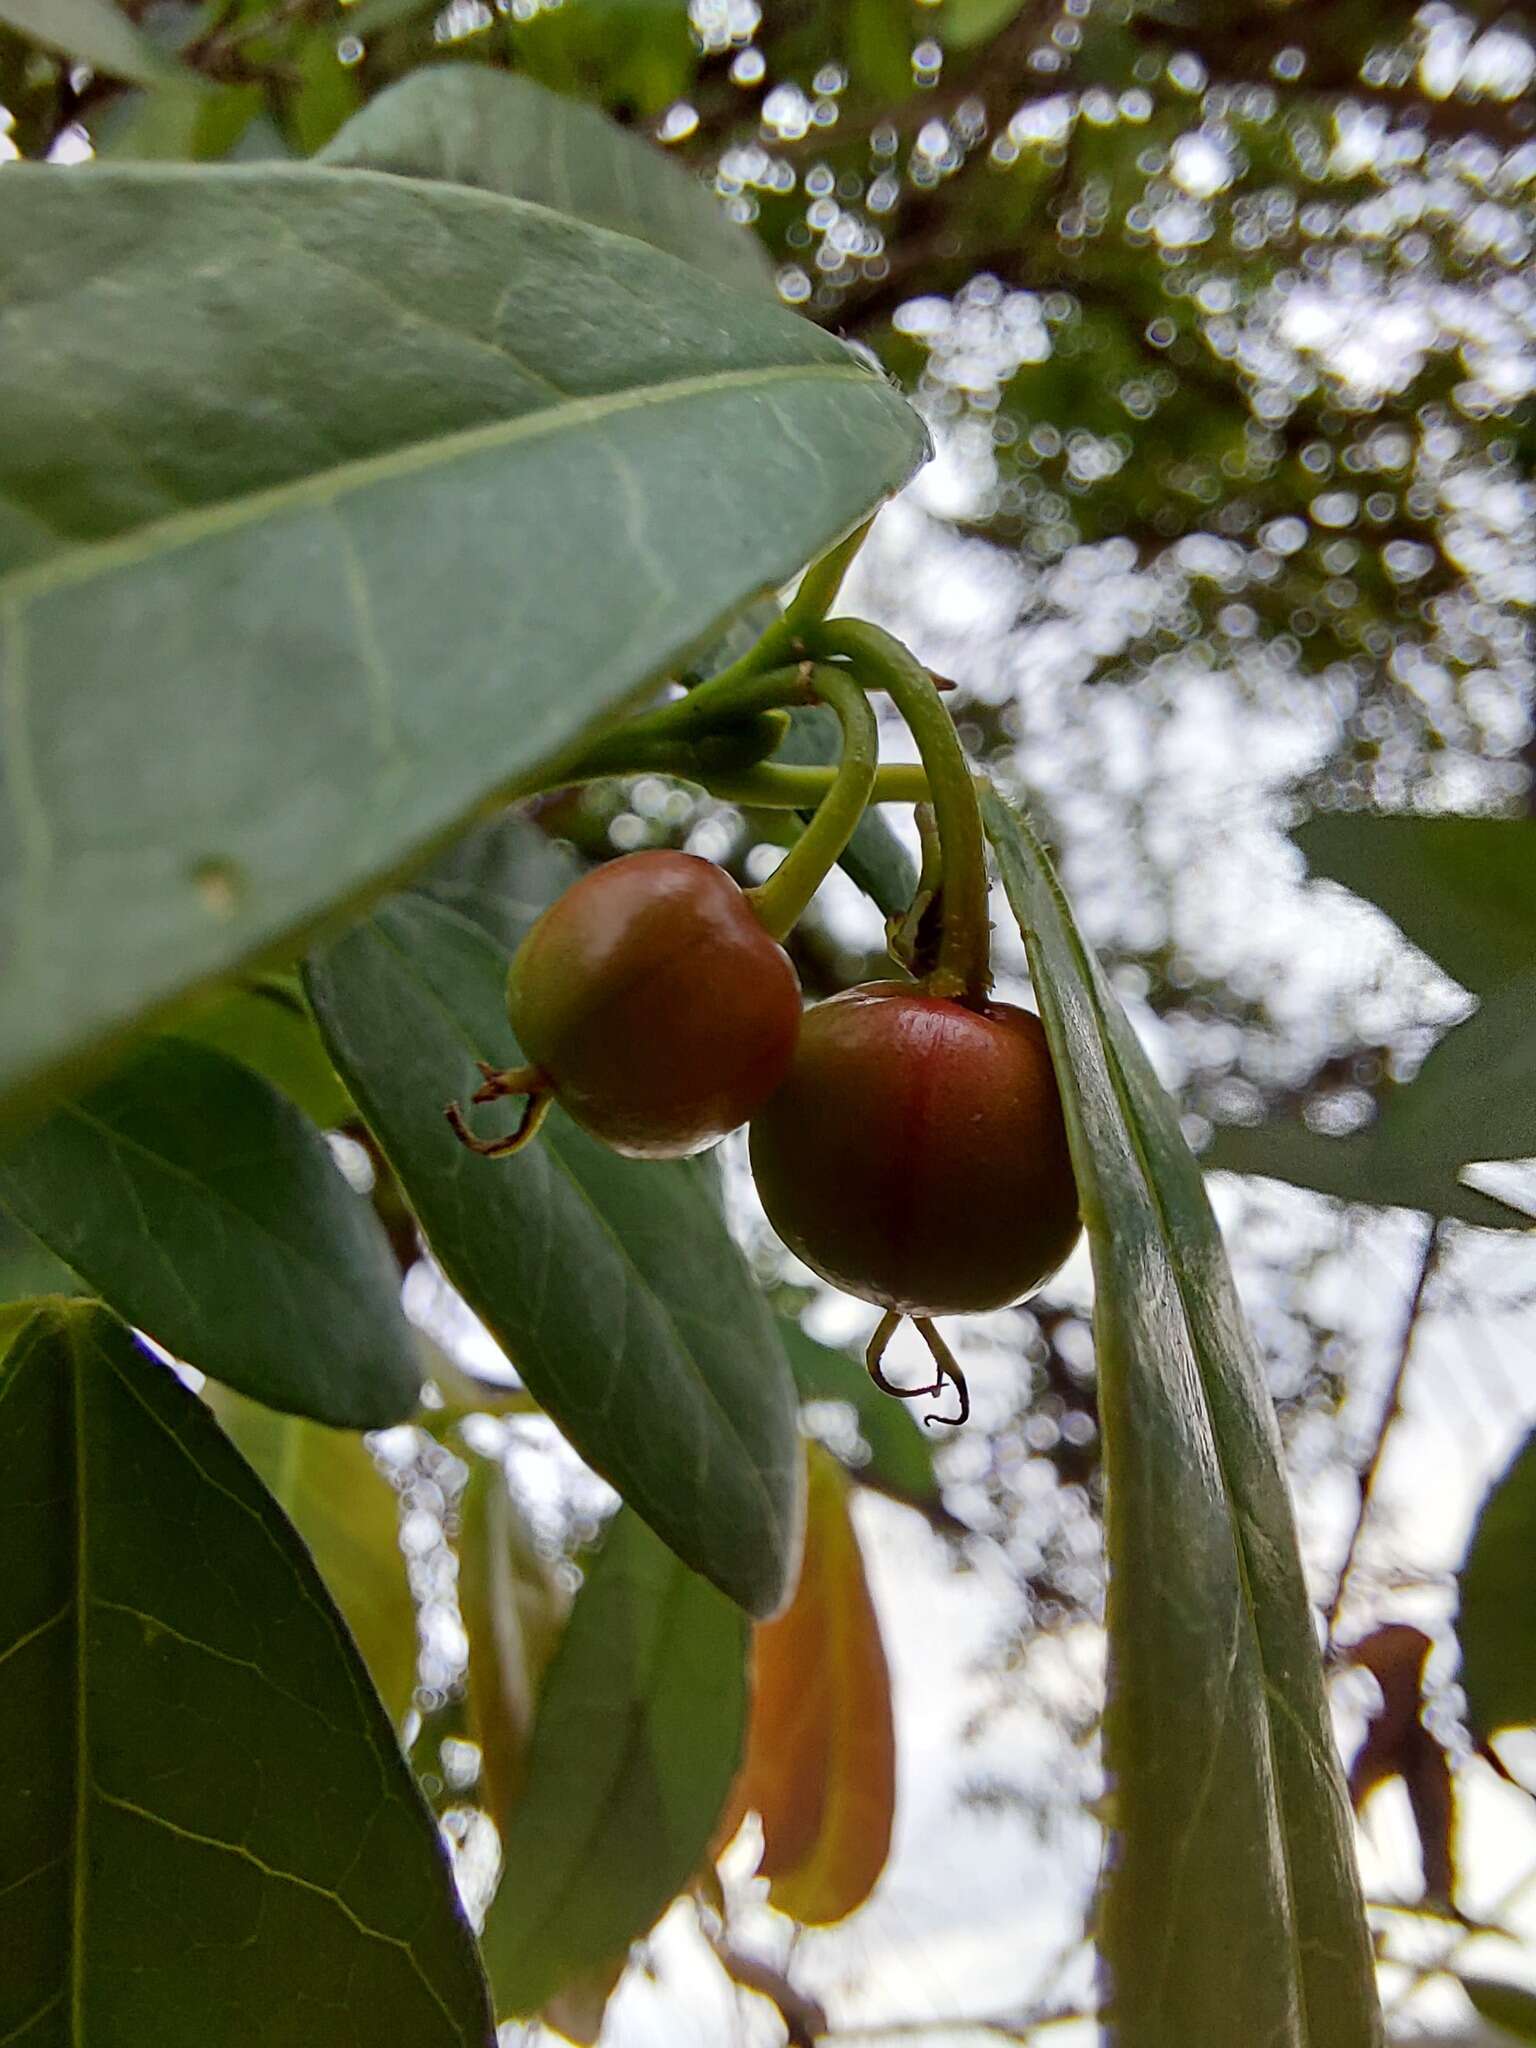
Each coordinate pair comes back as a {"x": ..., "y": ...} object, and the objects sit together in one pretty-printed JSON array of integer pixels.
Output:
[{"x": 909, "y": 1148}]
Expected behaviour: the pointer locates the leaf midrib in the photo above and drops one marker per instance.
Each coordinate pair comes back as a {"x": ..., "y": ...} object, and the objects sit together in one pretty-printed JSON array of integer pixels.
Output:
[{"x": 326, "y": 488}]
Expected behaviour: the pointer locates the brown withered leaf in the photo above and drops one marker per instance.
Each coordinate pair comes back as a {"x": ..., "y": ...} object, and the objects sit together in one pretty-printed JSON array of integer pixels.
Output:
[
  {"x": 820, "y": 1768},
  {"x": 1398, "y": 1745}
]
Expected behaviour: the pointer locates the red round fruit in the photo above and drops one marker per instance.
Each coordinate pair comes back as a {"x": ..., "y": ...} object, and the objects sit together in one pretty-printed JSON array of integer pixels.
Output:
[
  {"x": 660, "y": 1009},
  {"x": 916, "y": 1155}
]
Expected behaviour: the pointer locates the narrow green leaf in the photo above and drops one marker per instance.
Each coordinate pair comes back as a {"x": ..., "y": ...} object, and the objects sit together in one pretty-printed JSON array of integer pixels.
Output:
[
  {"x": 1464, "y": 891},
  {"x": 639, "y": 1732},
  {"x": 391, "y": 539},
  {"x": 1232, "y": 1910},
  {"x": 1510, "y": 2007},
  {"x": 611, "y": 1283},
  {"x": 330, "y": 1487},
  {"x": 874, "y": 857},
  {"x": 1497, "y": 1625},
  {"x": 215, "y": 1837},
  {"x": 208, "y": 1211},
  {"x": 900, "y": 1460},
  {"x": 91, "y": 32},
  {"x": 505, "y": 134}
]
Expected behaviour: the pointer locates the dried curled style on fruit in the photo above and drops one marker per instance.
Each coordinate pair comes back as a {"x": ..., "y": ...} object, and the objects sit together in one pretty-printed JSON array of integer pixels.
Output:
[
  {"x": 916, "y": 1156},
  {"x": 650, "y": 1002}
]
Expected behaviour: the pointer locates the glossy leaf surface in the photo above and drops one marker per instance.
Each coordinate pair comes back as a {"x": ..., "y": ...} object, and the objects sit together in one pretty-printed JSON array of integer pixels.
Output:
[
  {"x": 329, "y": 1485},
  {"x": 505, "y": 134},
  {"x": 611, "y": 1283},
  {"x": 1464, "y": 891},
  {"x": 365, "y": 531},
  {"x": 820, "y": 1766},
  {"x": 1497, "y": 1623},
  {"x": 1232, "y": 1910},
  {"x": 215, "y": 1837},
  {"x": 638, "y": 1736},
  {"x": 208, "y": 1211}
]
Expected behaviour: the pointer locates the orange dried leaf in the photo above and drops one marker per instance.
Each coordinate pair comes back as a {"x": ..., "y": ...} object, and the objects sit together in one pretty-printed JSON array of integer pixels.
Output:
[{"x": 820, "y": 1767}]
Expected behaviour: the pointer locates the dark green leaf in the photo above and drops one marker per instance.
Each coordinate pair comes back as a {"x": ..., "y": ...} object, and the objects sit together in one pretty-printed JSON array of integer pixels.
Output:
[
  {"x": 391, "y": 540},
  {"x": 508, "y": 135},
  {"x": 1508, "y": 2006},
  {"x": 874, "y": 857},
  {"x": 1497, "y": 1628},
  {"x": 208, "y": 1211},
  {"x": 91, "y": 32},
  {"x": 214, "y": 1836},
  {"x": 639, "y": 1732},
  {"x": 329, "y": 1485},
  {"x": 1464, "y": 891},
  {"x": 611, "y": 1283},
  {"x": 900, "y": 1461},
  {"x": 1232, "y": 1910}
]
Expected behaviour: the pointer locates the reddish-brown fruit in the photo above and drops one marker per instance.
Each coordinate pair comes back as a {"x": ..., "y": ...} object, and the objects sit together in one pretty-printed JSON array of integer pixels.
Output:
[
  {"x": 660, "y": 1010},
  {"x": 916, "y": 1155}
]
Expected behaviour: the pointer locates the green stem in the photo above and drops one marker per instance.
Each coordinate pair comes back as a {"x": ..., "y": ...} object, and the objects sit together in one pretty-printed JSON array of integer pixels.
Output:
[
  {"x": 781, "y": 901},
  {"x": 822, "y": 581},
  {"x": 881, "y": 662}
]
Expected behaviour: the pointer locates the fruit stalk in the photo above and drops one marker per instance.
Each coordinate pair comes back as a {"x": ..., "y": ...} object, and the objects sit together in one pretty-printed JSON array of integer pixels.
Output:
[
  {"x": 880, "y": 661},
  {"x": 781, "y": 901}
]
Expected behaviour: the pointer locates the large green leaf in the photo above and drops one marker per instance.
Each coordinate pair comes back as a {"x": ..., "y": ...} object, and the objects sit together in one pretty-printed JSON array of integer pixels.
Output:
[
  {"x": 1232, "y": 1910},
  {"x": 1464, "y": 891},
  {"x": 92, "y": 32},
  {"x": 506, "y": 134},
  {"x": 209, "y": 1833},
  {"x": 306, "y": 479},
  {"x": 208, "y": 1211},
  {"x": 28, "y": 1268},
  {"x": 1497, "y": 1625},
  {"x": 639, "y": 1732},
  {"x": 611, "y": 1283},
  {"x": 900, "y": 1460},
  {"x": 329, "y": 1485}
]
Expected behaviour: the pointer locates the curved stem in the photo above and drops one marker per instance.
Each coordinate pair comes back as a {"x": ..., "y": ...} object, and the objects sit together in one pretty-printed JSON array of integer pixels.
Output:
[
  {"x": 781, "y": 901},
  {"x": 823, "y": 580},
  {"x": 881, "y": 662}
]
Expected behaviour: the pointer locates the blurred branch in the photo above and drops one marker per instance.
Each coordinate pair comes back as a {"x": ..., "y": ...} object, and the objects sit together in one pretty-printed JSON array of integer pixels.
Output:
[
  {"x": 1391, "y": 1409},
  {"x": 1240, "y": 46},
  {"x": 996, "y": 2029}
]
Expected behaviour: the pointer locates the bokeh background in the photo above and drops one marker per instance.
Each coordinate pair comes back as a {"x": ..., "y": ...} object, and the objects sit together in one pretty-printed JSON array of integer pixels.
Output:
[{"x": 1224, "y": 324}]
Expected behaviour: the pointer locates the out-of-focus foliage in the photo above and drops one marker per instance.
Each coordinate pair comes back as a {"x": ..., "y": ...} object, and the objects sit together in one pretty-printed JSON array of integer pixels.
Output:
[
  {"x": 1464, "y": 890},
  {"x": 1497, "y": 1623}
]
